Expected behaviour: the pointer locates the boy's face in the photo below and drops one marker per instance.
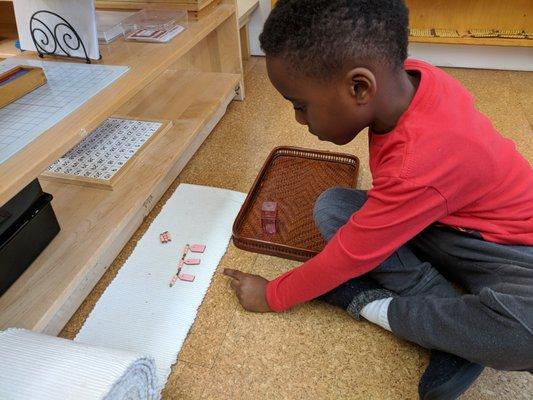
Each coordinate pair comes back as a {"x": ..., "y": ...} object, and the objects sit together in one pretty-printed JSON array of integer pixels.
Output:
[{"x": 333, "y": 110}]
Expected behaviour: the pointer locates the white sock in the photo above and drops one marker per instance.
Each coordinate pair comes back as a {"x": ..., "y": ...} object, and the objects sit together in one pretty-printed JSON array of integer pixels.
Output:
[{"x": 376, "y": 312}]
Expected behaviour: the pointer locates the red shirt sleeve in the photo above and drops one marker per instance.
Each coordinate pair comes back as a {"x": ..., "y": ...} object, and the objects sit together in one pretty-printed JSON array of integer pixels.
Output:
[{"x": 395, "y": 212}]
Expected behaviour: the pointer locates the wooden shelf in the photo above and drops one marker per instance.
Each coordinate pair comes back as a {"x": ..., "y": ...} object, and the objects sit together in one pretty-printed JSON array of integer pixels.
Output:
[
  {"x": 473, "y": 41},
  {"x": 146, "y": 62},
  {"x": 8, "y": 49},
  {"x": 96, "y": 223},
  {"x": 245, "y": 8},
  {"x": 464, "y": 15}
]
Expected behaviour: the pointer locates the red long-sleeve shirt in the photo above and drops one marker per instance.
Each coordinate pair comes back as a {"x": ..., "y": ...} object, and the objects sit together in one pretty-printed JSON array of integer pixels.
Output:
[{"x": 444, "y": 162}]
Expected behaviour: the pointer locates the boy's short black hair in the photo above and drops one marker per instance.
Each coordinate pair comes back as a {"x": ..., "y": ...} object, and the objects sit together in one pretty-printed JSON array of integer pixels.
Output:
[{"x": 318, "y": 37}]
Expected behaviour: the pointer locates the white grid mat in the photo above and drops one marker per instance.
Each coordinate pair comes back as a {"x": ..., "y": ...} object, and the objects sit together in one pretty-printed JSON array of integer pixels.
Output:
[{"x": 68, "y": 86}]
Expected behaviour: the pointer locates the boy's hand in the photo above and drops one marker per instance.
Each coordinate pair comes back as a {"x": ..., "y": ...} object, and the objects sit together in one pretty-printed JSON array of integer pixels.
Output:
[{"x": 250, "y": 290}]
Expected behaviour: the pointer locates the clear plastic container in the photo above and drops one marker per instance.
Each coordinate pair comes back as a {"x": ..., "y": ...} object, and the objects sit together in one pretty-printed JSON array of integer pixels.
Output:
[
  {"x": 109, "y": 24},
  {"x": 158, "y": 26}
]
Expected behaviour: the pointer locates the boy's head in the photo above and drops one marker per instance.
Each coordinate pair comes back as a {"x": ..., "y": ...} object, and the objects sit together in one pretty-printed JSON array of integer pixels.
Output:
[{"x": 327, "y": 56}]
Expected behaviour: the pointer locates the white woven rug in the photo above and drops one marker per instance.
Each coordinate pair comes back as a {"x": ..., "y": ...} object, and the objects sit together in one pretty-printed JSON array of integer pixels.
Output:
[
  {"x": 34, "y": 366},
  {"x": 139, "y": 312}
]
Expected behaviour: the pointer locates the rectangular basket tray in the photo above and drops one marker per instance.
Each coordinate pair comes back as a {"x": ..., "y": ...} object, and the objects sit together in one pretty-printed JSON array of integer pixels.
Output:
[{"x": 294, "y": 178}]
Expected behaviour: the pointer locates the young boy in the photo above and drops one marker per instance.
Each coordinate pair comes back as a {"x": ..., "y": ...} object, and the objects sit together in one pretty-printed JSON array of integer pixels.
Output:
[{"x": 450, "y": 196}]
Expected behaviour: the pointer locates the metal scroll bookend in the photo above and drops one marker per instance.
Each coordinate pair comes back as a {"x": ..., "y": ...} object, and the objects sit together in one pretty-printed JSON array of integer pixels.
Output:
[{"x": 59, "y": 38}]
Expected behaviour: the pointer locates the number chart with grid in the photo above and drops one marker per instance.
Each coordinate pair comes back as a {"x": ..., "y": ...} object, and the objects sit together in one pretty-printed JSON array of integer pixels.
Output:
[
  {"x": 102, "y": 156},
  {"x": 68, "y": 86}
]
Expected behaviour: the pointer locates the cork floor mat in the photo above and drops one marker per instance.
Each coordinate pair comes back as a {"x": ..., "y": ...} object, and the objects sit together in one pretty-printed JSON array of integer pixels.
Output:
[{"x": 314, "y": 351}]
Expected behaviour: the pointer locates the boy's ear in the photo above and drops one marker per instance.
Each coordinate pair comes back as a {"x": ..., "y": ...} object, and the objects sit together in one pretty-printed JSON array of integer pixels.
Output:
[{"x": 362, "y": 84}]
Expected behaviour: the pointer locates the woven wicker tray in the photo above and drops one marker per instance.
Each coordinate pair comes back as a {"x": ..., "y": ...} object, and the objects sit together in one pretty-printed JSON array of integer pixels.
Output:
[{"x": 294, "y": 178}]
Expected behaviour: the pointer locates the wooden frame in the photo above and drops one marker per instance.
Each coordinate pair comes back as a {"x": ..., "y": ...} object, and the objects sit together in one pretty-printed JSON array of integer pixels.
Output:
[
  {"x": 14, "y": 90},
  {"x": 111, "y": 183}
]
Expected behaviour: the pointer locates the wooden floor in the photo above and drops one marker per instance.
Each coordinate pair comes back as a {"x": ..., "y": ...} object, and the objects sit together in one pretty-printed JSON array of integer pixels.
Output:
[{"x": 314, "y": 351}]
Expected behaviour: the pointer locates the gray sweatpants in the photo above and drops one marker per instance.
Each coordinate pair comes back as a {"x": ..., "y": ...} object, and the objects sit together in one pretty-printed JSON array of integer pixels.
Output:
[{"x": 490, "y": 322}]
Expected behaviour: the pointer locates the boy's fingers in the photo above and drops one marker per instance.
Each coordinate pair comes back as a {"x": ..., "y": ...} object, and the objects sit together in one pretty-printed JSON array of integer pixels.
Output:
[
  {"x": 233, "y": 273},
  {"x": 234, "y": 284}
]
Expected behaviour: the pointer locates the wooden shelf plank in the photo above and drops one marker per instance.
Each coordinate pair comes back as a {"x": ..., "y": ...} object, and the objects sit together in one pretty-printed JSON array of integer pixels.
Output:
[
  {"x": 97, "y": 223},
  {"x": 8, "y": 49},
  {"x": 471, "y": 14},
  {"x": 245, "y": 8},
  {"x": 146, "y": 62},
  {"x": 474, "y": 41}
]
